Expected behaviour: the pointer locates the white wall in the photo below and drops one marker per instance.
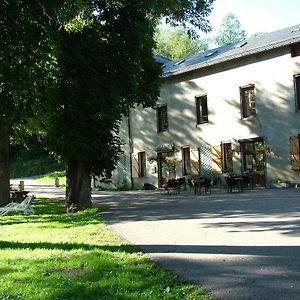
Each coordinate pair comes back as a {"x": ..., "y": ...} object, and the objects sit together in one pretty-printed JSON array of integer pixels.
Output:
[{"x": 276, "y": 119}]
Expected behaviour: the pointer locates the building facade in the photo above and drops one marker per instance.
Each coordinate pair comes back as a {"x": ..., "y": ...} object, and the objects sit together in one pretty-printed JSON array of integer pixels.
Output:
[{"x": 231, "y": 110}]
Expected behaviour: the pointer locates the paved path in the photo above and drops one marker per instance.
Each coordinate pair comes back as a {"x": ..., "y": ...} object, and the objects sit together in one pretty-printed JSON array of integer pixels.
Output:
[
  {"x": 39, "y": 189},
  {"x": 235, "y": 246}
]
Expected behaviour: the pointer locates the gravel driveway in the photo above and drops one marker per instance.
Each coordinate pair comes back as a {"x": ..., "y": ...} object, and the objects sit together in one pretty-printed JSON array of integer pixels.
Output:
[{"x": 235, "y": 246}]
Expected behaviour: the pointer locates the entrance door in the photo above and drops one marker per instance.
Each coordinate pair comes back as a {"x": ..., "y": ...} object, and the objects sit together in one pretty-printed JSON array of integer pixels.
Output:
[
  {"x": 166, "y": 167},
  {"x": 253, "y": 160}
]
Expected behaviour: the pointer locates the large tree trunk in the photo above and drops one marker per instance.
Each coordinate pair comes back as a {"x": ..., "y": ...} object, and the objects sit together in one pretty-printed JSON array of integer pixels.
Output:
[
  {"x": 4, "y": 164},
  {"x": 78, "y": 186}
]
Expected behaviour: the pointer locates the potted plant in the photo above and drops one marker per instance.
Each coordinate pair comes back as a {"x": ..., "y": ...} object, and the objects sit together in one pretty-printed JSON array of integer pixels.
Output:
[{"x": 281, "y": 183}]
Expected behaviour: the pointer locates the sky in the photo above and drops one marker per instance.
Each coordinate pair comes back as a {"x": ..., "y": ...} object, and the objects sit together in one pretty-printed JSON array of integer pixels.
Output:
[{"x": 257, "y": 15}]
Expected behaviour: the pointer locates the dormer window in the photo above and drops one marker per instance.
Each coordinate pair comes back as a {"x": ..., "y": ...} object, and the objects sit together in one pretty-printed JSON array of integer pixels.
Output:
[{"x": 211, "y": 53}]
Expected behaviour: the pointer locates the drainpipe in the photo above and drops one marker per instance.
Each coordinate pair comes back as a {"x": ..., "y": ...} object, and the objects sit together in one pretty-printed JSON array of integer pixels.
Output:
[{"x": 130, "y": 147}]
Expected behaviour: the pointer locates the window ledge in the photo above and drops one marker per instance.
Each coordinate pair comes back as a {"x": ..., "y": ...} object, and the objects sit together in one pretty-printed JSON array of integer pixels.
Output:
[
  {"x": 201, "y": 124},
  {"x": 250, "y": 118},
  {"x": 162, "y": 132}
]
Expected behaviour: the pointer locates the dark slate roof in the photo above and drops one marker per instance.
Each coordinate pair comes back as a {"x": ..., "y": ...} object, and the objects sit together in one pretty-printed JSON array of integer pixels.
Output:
[
  {"x": 162, "y": 60},
  {"x": 229, "y": 52}
]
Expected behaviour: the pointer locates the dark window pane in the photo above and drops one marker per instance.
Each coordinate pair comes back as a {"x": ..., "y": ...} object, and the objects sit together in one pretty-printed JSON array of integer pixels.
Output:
[
  {"x": 162, "y": 118},
  {"x": 227, "y": 165},
  {"x": 295, "y": 50},
  {"x": 201, "y": 109},
  {"x": 248, "y": 101},
  {"x": 297, "y": 91},
  {"x": 186, "y": 161},
  {"x": 142, "y": 163}
]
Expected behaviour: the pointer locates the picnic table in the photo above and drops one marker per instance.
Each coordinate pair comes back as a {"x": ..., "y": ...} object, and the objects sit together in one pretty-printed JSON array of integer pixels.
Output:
[{"x": 16, "y": 195}]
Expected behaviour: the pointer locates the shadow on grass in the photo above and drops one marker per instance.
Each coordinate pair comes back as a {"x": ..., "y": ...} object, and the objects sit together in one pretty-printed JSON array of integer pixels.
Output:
[
  {"x": 66, "y": 246},
  {"x": 50, "y": 211},
  {"x": 77, "y": 269},
  {"x": 103, "y": 275}
]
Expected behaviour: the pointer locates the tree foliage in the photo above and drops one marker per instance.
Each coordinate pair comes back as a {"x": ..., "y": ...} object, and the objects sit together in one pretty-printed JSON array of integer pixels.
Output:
[
  {"x": 107, "y": 65},
  {"x": 79, "y": 66},
  {"x": 230, "y": 31},
  {"x": 25, "y": 58},
  {"x": 26, "y": 69},
  {"x": 189, "y": 13},
  {"x": 106, "y": 68},
  {"x": 175, "y": 42}
]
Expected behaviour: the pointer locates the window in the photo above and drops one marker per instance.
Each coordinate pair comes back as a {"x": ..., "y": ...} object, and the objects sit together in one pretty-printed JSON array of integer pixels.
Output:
[
  {"x": 142, "y": 163},
  {"x": 295, "y": 50},
  {"x": 247, "y": 101},
  {"x": 297, "y": 91},
  {"x": 162, "y": 118},
  {"x": 295, "y": 152},
  {"x": 186, "y": 159},
  {"x": 201, "y": 109},
  {"x": 226, "y": 151},
  {"x": 139, "y": 164}
]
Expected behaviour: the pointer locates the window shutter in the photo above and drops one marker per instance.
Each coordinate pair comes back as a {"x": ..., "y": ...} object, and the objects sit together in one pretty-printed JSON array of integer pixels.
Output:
[
  {"x": 217, "y": 159},
  {"x": 295, "y": 152},
  {"x": 195, "y": 164},
  {"x": 135, "y": 165}
]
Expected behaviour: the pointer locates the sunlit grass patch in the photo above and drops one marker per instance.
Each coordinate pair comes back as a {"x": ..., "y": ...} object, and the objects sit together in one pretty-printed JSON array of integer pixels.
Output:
[
  {"x": 52, "y": 255},
  {"x": 50, "y": 177}
]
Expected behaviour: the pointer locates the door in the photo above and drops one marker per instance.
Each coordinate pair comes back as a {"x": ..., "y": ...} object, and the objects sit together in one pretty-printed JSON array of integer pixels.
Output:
[
  {"x": 253, "y": 160},
  {"x": 166, "y": 163}
]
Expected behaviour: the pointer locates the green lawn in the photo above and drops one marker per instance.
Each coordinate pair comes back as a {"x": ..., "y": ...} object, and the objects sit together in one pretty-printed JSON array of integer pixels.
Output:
[
  {"x": 50, "y": 178},
  {"x": 52, "y": 255}
]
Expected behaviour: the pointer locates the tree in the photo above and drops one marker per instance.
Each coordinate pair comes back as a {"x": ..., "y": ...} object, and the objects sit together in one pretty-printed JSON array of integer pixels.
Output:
[
  {"x": 175, "y": 43},
  {"x": 230, "y": 31},
  {"x": 257, "y": 34},
  {"x": 189, "y": 13},
  {"x": 85, "y": 63},
  {"x": 107, "y": 67},
  {"x": 26, "y": 68}
]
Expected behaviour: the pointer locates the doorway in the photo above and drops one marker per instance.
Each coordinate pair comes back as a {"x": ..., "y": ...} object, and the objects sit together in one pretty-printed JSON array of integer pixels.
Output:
[
  {"x": 253, "y": 160},
  {"x": 166, "y": 163}
]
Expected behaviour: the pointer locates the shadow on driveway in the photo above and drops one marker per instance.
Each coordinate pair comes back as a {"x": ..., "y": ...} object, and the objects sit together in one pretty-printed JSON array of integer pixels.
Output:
[{"x": 235, "y": 246}]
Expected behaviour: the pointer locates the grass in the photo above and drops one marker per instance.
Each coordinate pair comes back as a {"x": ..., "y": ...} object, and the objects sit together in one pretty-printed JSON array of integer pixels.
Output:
[
  {"x": 54, "y": 256},
  {"x": 50, "y": 177}
]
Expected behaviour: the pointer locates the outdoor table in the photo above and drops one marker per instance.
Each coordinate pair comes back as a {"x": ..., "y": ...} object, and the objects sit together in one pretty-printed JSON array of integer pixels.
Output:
[
  {"x": 198, "y": 183},
  {"x": 18, "y": 195},
  {"x": 235, "y": 181}
]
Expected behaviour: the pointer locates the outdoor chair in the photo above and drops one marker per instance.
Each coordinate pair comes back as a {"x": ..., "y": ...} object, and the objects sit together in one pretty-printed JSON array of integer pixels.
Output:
[
  {"x": 202, "y": 182},
  {"x": 217, "y": 184},
  {"x": 24, "y": 206},
  {"x": 173, "y": 185},
  {"x": 207, "y": 185},
  {"x": 234, "y": 182},
  {"x": 182, "y": 183}
]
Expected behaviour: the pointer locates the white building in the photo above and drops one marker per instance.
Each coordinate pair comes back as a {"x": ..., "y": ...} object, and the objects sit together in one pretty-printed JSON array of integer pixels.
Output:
[{"x": 234, "y": 109}]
